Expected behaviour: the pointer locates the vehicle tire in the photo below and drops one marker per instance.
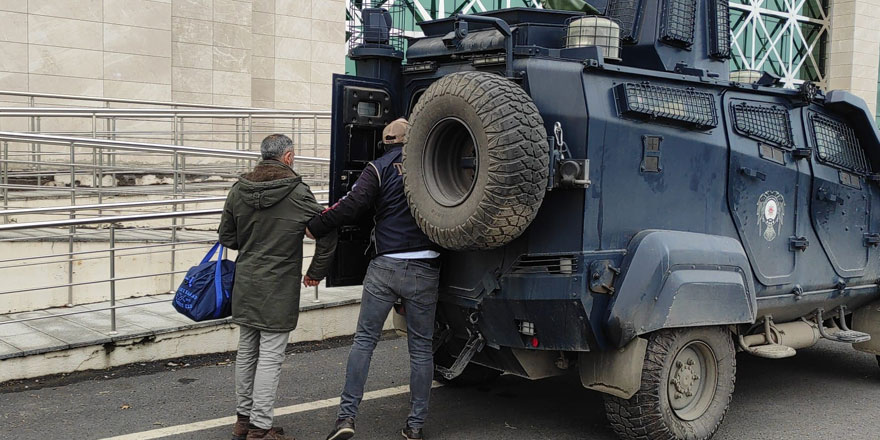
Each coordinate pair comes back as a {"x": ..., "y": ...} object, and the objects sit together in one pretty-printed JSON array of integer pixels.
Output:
[
  {"x": 699, "y": 361},
  {"x": 473, "y": 374},
  {"x": 476, "y": 161}
]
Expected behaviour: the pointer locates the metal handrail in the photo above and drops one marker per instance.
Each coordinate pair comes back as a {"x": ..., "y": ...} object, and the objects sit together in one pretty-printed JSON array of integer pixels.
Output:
[
  {"x": 108, "y": 219},
  {"x": 108, "y": 100},
  {"x": 140, "y": 146},
  {"x": 153, "y": 112},
  {"x": 113, "y": 206}
]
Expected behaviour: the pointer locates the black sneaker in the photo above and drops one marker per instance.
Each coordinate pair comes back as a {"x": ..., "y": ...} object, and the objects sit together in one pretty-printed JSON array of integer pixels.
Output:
[
  {"x": 410, "y": 433},
  {"x": 344, "y": 430}
]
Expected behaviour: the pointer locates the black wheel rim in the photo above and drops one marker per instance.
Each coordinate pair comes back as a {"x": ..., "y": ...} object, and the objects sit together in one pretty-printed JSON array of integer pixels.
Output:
[{"x": 451, "y": 162}]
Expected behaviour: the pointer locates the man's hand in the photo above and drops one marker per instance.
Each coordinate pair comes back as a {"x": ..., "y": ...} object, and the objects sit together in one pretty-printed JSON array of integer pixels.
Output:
[
  {"x": 309, "y": 282},
  {"x": 309, "y": 234}
]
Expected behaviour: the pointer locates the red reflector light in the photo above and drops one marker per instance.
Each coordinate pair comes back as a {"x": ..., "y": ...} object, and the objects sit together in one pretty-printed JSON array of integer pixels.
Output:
[{"x": 535, "y": 342}]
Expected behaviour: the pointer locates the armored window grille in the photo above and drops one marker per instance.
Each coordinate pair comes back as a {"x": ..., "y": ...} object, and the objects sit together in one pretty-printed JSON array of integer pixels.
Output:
[
  {"x": 719, "y": 28},
  {"x": 679, "y": 21},
  {"x": 838, "y": 145},
  {"x": 768, "y": 123},
  {"x": 666, "y": 103},
  {"x": 627, "y": 14}
]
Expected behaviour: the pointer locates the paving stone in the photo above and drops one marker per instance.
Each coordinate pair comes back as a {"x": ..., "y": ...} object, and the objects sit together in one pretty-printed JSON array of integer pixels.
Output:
[
  {"x": 6, "y": 349},
  {"x": 67, "y": 331},
  {"x": 14, "y": 329},
  {"x": 100, "y": 322},
  {"x": 35, "y": 340}
]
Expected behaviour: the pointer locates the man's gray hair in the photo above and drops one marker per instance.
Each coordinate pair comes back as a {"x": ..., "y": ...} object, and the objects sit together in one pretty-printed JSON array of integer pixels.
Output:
[{"x": 275, "y": 145}]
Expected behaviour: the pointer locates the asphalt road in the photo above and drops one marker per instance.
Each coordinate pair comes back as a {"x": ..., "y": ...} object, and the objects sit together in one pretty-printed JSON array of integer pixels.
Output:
[{"x": 827, "y": 392}]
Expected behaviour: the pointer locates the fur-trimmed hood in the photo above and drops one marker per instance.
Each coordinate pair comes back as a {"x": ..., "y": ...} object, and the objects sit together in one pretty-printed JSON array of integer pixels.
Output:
[{"x": 269, "y": 183}]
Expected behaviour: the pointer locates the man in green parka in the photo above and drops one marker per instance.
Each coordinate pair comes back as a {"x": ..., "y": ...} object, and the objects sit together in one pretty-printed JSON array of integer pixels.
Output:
[{"x": 265, "y": 219}]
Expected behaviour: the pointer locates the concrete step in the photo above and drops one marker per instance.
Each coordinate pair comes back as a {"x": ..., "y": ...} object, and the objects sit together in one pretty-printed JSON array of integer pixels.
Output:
[{"x": 65, "y": 340}]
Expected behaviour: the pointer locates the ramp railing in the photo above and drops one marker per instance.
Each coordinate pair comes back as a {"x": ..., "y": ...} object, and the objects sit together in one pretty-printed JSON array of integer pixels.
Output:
[{"x": 93, "y": 214}]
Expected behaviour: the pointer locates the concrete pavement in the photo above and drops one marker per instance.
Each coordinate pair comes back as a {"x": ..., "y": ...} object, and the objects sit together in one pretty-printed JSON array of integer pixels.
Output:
[{"x": 829, "y": 391}]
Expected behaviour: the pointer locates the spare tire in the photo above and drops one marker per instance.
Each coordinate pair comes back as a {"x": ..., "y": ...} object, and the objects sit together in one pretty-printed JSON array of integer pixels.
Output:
[{"x": 476, "y": 161}]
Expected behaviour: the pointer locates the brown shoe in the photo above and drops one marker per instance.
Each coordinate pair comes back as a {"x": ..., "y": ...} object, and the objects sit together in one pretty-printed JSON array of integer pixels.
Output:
[
  {"x": 275, "y": 433},
  {"x": 240, "y": 428}
]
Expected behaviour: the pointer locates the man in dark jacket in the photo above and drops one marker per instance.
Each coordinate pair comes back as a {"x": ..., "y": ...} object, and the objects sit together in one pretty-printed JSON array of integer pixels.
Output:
[
  {"x": 406, "y": 267},
  {"x": 265, "y": 220}
]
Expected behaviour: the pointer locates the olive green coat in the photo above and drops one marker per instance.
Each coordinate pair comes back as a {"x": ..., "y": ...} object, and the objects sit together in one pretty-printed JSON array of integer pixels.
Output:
[{"x": 265, "y": 220}]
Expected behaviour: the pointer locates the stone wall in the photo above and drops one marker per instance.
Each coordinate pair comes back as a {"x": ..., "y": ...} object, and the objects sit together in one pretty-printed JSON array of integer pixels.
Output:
[
  {"x": 264, "y": 53},
  {"x": 854, "y": 48}
]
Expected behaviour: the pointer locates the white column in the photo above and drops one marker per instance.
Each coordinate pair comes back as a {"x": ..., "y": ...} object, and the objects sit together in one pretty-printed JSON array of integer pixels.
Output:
[{"x": 854, "y": 48}]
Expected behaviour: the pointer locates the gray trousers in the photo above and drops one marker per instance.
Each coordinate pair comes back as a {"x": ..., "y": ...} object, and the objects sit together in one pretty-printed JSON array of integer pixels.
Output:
[
  {"x": 257, "y": 372},
  {"x": 416, "y": 283}
]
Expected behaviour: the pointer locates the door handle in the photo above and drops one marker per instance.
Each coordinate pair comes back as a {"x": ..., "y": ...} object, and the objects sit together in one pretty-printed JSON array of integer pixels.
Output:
[{"x": 753, "y": 173}]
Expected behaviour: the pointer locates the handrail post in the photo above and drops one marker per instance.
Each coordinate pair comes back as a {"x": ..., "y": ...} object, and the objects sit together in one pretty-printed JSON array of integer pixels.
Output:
[
  {"x": 72, "y": 228},
  {"x": 39, "y": 156},
  {"x": 112, "y": 279},
  {"x": 5, "y": 179},
  {"x": 250, "y": 134},
  {"x": 174, "y": 224}
]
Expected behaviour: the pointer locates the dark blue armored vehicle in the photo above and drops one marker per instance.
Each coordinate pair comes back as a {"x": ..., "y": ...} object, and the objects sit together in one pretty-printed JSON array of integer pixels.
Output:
[{"x": 613, "y": 203}]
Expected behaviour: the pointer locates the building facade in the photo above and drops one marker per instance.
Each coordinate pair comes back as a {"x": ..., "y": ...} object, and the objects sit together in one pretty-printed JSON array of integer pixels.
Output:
[
  {"x": 282, "y": 53},
  {"x": 263, "y": 53}
]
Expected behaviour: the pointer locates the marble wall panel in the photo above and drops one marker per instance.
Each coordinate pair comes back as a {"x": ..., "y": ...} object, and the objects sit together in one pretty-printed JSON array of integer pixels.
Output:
[
  {"x": 192, "y": 80},
  {"x": 17, "y": 5},
  {"x": 292, "y": 70},
  {"x": 231, "y": 83},
  {"x": 198, "y": 9},
  {"x": 293, "y": 49},
  {"x": 13, "y": 57},
  {"x": 233, "y": 12},
  {"x": 263, "y": 67},
  {"x": 137, "y": 40},
  {"x": 296, "y": 8},
  {"x": 232, "y": 35},
  {"x": 142, "y": 13},
  {"x": 263, "y": 23},
  {"x": 264, "y": 45},
  {"x": 91, "y": 10},
  {"x": 14, "y": 81},
  {"x": 232, "y": 60},
  {"x": 198, "y": 56},
  {"x": 65, "y": 85},
  {"x": 140, "y": 68},
  {"x": 293, "y": 27},
  {"x": 64, "y": 61},
  {"x": 62, "y": 32},
  {"x": 188, "y": 30}
]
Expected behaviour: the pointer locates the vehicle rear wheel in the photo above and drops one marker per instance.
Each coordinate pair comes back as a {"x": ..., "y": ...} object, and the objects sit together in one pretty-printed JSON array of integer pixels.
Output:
[
  {"x": 687, "y": 383},
  {"x": 476, "y": 161}
]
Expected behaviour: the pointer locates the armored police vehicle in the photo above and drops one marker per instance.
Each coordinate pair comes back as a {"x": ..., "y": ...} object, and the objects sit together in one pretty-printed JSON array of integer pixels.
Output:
[{"x": 615, "y": 204}]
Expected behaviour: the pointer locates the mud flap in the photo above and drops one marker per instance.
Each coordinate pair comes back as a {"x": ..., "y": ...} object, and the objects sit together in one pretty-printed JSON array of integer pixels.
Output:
[
  {"x": 867, "y": 320},
  {"x": 616, "y": 372},
  {"x": 473, "y": 346}
]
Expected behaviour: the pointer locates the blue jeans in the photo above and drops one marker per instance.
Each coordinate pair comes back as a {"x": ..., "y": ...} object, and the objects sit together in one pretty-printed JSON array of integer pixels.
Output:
[{"x": 416, "y": 283}]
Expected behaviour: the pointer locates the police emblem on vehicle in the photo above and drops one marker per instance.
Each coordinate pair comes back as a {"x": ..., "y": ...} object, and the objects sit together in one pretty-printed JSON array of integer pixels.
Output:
[{"x": 771, "y": 210}]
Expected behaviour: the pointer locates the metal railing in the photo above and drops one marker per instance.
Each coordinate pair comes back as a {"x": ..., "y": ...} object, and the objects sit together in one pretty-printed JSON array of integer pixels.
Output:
[{"x": 192, "y": 176}]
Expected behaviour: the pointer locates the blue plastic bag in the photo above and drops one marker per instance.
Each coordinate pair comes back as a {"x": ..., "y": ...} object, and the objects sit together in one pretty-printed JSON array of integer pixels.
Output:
[{"x": 206, "y": 290}]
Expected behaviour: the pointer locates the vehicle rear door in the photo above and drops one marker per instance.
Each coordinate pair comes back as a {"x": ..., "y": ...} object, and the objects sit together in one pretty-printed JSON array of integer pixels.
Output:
[
  {"x": 841, "y": 195},
  {"x": 766, "y": 185},
  {"x": 361, "y": 109}
]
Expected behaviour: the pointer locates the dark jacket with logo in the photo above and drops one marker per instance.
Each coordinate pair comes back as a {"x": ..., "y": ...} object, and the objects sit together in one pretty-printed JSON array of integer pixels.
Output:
[
  {"x": 379, "y": 188},
  {"x": 265, "y": 220}
]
